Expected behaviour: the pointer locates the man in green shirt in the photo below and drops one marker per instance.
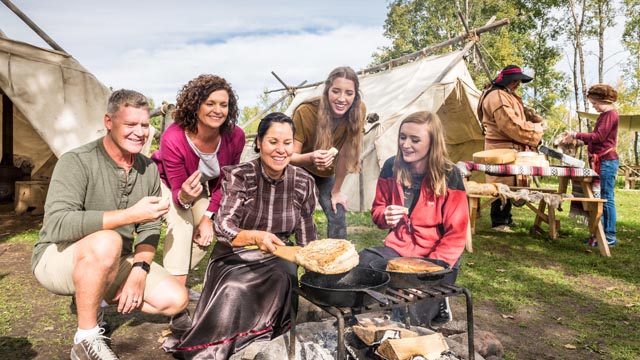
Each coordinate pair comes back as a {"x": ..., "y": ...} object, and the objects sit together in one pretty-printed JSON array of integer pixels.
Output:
[{"x": 102, "y": 225}]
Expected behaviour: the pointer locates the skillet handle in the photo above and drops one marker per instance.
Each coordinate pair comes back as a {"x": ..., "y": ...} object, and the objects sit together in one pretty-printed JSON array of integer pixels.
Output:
[{"x": 376, "y": 296}]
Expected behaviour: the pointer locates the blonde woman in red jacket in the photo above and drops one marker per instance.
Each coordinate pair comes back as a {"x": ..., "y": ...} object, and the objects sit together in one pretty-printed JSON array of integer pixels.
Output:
[{"x": 420, "y": 198}]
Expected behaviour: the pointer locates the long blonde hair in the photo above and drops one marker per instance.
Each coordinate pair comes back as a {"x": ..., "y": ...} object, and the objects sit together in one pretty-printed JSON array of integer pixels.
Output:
[
  {"x": 437, "y": 159},
  {"x": 354, "y": 123}
]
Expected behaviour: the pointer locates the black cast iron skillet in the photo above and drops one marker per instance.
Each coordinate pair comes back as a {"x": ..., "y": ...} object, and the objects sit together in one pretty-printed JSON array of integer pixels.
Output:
[
  {"x": 420, "y": 280},
  {"x": 355, "y": 288}
]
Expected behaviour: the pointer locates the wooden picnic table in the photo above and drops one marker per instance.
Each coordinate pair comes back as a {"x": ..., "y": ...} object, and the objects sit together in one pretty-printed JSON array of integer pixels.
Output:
[{"x": 586, "y": 178}]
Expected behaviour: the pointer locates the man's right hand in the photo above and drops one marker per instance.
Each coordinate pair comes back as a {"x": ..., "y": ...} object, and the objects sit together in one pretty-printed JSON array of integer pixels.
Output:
[{"x": 149, "y": 208}]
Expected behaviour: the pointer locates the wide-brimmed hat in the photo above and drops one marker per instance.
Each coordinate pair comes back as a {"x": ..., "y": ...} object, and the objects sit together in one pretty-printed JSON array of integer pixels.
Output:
[
  {"x": 509, "y": 74},
  {"x": 602, "y": 93}
]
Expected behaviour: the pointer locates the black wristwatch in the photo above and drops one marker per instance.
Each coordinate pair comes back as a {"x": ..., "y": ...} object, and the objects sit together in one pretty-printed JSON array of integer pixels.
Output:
[{"x": 146, "y": 267}]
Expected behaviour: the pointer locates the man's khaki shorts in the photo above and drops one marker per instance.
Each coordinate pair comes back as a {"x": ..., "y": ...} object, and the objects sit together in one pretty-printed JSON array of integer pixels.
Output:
[{"x": 54, "y": 271}]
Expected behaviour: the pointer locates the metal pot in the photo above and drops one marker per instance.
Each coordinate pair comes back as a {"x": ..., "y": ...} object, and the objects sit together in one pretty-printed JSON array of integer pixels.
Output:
[
  {"x": 418, "y": 280},
  {"x": 355, "y": 288}
]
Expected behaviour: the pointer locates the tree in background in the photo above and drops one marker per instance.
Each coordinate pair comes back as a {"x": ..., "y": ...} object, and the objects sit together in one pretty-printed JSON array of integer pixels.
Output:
[
  {"x": 631, "y": 41},
  {"x": 630, "y": 97},
  {"x": 412, "y": 25},
  {"x": 605, "y": 18},
  {"x": 265, "y": 103}
]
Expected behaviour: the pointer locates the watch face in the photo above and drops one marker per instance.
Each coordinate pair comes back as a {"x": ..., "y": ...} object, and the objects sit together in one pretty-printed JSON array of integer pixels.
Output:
[{"x": 146, "y": 267}]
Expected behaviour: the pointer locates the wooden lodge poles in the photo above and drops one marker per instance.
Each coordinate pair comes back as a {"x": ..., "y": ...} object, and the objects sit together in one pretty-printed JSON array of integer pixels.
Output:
[
  {"x": 33, "y": 26},
  {"x": 469, "y": 34}
]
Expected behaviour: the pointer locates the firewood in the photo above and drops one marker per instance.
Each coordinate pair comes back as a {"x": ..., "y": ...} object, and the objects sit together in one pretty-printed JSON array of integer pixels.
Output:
[
  {"x": 373, "y": 334},
  {"x": 428, "y": 346}
]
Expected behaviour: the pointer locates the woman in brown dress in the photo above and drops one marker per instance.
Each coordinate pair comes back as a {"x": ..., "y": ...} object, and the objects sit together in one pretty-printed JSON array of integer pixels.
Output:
[{"x": 247, "y": 291}]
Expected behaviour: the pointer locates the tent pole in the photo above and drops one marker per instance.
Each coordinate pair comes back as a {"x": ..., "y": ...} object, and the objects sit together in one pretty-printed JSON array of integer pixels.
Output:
[
  {"x": 423, "y": 52},
  {"x": 7, "y": 131},
  {"x": 454, "y": 62},
  {"x": 33, "y": 26},
  {"x": 477, "y": 39},
  {"x": 281, "y": 99}
]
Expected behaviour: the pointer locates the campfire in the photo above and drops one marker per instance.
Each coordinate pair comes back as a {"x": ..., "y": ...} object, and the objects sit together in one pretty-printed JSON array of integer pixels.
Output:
[
  {"x": 366, "y": 308},
  {"x": 318, "y": 339}
]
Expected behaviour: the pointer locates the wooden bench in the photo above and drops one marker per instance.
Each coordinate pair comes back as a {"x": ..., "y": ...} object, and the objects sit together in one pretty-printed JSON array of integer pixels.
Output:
[
  {"x": 475, "y": 203},
  {"x": 631, "y": 175},
  {"x": 543, "y": 212},
  {"x": 592, "y": 206}
]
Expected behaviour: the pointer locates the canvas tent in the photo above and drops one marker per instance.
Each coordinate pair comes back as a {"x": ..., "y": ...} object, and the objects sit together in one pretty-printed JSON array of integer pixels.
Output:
[
  {"x": 441, "y": 84},
  {"x": 58, "y": 104}
]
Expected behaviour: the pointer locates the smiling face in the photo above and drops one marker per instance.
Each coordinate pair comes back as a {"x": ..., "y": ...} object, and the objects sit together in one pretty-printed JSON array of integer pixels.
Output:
[
  {"x": 414, "y": 143},
  {"x": 276, "y": 147},
  {"x": 341, "y": 95},
  {"x": 212, "y": 113},
  {"x": 128, "y": 129}
]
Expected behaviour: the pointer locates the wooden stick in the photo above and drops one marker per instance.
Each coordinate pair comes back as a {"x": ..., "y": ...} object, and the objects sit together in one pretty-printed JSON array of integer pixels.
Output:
[
  {"x": 476, "y": 48},
  {"x": 423, "y": 52},
  {"x": 279, "y": 80},
  {"x": 453, "y": 62},
  {"x": 33, "y": 26},
  {"x": 290, "y": 91}
]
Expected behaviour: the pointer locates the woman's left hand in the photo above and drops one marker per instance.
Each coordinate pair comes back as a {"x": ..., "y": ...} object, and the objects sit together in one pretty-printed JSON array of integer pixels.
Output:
[
  {"x": 265, "y": 240},
  {"x": 203, "y": 235},
  {"x": 338, "y": 198}
]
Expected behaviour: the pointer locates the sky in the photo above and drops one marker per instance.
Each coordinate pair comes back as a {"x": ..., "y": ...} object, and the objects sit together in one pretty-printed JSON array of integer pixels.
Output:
[{"x": 155, "y": 47}]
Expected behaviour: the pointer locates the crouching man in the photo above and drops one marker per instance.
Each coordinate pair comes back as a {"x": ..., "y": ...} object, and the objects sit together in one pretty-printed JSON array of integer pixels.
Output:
[{"x": 102, "y": 225}]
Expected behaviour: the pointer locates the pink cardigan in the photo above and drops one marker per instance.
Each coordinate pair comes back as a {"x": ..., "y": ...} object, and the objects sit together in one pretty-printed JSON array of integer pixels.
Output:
[{"x": 176, "y": 160}]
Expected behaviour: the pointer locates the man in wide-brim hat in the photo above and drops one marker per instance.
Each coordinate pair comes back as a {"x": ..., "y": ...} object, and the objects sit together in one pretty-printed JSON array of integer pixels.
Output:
[{"x": 507, "y": 126}]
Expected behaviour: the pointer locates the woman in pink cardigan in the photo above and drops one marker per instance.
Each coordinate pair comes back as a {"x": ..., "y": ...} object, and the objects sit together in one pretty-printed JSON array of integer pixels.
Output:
[{"x": 203, "y": 138}]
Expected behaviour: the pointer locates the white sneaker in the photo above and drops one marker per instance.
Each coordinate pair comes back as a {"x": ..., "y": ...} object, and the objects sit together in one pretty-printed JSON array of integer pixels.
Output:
[
  {"x": 503, "y": 228},
  {"x": 94, "y": 347}
]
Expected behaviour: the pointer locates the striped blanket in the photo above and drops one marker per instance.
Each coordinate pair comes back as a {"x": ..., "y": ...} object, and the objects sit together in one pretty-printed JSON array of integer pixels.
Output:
[{"x": 467, "y": 166}]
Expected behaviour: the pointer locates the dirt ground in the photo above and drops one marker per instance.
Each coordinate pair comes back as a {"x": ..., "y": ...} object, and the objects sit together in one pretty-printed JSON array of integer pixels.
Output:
[{"x": 42, "y": 325}]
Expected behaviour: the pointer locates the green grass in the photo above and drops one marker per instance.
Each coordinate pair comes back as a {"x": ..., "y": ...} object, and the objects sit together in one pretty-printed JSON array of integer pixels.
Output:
[
  {"x": 591, "y": 302},
  {"x": 596, "y": 297}
]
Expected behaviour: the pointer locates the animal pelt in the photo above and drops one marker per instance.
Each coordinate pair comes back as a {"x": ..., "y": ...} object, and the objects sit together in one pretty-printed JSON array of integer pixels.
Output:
[
  {"x": 531, "y": 115},
  {"x": 570, "y": 148}
]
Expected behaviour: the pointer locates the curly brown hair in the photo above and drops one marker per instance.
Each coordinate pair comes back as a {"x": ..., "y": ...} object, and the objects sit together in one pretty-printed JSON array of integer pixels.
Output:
[{"x": 197, "y": 91}]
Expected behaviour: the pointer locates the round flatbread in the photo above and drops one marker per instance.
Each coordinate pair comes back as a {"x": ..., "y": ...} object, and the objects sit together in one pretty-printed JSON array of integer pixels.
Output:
[{"x": 328, "y": 256}]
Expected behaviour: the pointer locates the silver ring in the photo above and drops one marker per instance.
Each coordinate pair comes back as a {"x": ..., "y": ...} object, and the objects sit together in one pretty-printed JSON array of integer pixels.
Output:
[{"x": 135, "y": 301}]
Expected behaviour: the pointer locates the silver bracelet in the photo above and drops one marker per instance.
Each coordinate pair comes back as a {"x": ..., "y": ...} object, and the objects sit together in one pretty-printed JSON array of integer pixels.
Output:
[{"x": 185, "y": 206}]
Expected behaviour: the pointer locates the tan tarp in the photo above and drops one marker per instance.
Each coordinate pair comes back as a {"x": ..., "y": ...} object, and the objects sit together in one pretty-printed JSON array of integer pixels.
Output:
[
  {"x": 58, "y": 104},
  {"x": 626, "y": 121},
  {"x": 396, "y": 93}
]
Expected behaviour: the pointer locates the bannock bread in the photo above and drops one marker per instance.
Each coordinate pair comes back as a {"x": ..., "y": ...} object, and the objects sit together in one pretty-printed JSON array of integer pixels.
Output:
[
  {"x": 412, "y": 265},
  {"x": 328, "y": 256}
]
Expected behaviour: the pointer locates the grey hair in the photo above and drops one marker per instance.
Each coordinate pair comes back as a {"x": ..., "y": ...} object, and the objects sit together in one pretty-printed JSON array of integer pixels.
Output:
[{"x": 125, "y": 98}]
